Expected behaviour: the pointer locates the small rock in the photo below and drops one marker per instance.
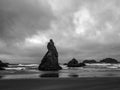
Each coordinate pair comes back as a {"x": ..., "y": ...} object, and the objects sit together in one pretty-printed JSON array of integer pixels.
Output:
[
  {"x": 2, "y": 65},
  {"x": 89, "y": 61},
  {"x": 74, "y": 63},
  {"x": 108, "y": 60}
]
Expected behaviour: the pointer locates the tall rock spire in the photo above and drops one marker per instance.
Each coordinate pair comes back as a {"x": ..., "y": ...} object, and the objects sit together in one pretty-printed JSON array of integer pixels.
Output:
[{"x": 50, "y": 60}]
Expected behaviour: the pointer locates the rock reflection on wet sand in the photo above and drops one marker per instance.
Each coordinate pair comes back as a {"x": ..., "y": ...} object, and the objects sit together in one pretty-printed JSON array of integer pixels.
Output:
[
  {"x": 73, "y": 75},
  {"x": 58, "y": 75},
  {"x": 1, "y": 77},
  {"x": 48, "y": 75}
]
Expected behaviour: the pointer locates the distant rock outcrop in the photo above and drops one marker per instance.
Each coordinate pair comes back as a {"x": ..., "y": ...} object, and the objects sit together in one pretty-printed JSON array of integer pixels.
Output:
[
  {"x": 74, "y": 63},
  {"x": 50, "y": 60},
  {"x": 2, "y": 65},
  {"x": 89, "y": 61},
  {"x": 108, "y": 60},
  {"x": 65, "y": 64}
]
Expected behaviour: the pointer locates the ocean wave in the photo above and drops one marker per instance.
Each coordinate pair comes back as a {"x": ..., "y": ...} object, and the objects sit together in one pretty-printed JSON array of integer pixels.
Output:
[
  {"x": 28, "y": 65},
  {"x": 17, "y": 68}
]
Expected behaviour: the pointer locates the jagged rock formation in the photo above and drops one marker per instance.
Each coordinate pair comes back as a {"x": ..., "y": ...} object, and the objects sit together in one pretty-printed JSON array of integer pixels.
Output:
[
  {"x": 74, "y": 63},
  {"x": 108, "y": 60},
  {"x": 50, "y": 60},
  {"x": 89, "y": 61},
  {"x": 2, "y": 65}
]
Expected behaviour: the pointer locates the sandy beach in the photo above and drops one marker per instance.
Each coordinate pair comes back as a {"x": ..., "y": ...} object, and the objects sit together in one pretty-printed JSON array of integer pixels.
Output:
[{"x": 61, "y": 84}]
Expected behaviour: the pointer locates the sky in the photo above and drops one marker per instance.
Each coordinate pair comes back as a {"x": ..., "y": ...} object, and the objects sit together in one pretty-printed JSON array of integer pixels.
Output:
[{"x": 83, "y": 29}]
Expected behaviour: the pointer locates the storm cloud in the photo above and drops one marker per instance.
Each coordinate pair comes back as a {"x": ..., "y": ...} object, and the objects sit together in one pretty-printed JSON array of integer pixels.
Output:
[
  {"x": 21, "y": 18},
  {"x": 80, "y": 28}
]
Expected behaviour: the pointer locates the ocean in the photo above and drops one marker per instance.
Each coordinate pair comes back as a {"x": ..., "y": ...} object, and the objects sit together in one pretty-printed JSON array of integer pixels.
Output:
[{"x": 27, "y": 71}]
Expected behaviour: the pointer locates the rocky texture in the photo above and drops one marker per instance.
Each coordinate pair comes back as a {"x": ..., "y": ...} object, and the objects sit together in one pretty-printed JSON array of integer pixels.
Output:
[
  {"x": 2, "y": 65},
  {"x": 74, "y": 63},
  {"x": 108, "y": 60},
  {"x": 81, "y": 64},
  {"x": 89, "y": 61},
  {"x": 50, "y": 60}
]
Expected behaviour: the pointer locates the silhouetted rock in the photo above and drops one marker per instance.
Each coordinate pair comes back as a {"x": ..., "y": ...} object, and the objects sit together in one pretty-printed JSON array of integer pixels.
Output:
[
  {"x": 74, "y": 63},
  {"x": 89, "y": 61},
  {"x": 109, "y": 60},
  {"x": 2, "y": 68},
  {"x": 81, "y": 64},
  {"x": 2, "y": 65},
  {"x": 50, "y": 60},
  {"x": 65, "y": 64}
]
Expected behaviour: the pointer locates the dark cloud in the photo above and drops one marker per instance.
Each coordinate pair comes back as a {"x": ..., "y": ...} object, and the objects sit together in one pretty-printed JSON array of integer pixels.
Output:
[
  {"x": 80, "y": 29},
  {"x": 22, "y": 18}
]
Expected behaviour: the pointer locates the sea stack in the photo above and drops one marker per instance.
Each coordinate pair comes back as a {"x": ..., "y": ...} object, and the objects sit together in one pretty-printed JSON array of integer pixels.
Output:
[
  {"x": 50, "y": 60},
  {"x": 3, "y": 65},
  {"x": 74, "y": 63}
]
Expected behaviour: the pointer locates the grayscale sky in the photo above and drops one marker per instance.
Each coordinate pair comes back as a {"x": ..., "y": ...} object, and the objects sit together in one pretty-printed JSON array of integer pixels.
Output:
[{"x": 83, "y": 29}]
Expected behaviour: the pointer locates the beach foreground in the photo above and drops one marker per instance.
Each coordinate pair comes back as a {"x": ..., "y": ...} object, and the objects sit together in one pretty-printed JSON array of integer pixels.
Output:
[{"x": 112, "y": 83}]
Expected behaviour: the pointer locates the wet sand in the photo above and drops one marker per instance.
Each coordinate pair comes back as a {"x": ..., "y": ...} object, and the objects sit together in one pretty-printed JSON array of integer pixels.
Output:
[{"x": 112, "y": 83}]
